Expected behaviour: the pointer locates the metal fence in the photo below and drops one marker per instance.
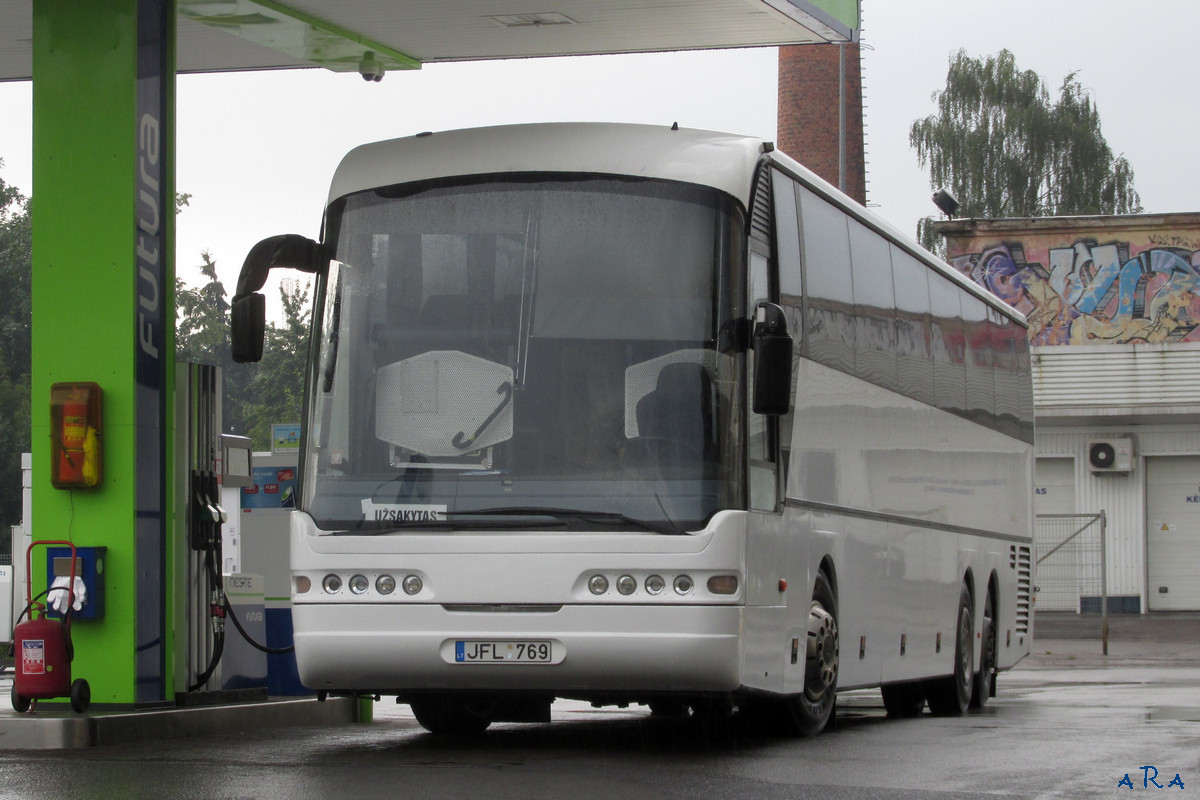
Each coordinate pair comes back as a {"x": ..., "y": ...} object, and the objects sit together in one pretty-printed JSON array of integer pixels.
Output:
[{"x": 1071, "y": 569}]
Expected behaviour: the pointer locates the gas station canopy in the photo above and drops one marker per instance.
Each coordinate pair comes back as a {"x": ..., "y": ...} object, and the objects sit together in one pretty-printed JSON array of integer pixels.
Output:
[
  {"x": 365, "y": 35},
  {"x": 102, "y": 225}
]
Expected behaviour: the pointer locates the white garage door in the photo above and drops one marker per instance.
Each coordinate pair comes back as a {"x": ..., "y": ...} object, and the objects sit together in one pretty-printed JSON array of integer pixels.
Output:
[
  {"x": 1173, "y": 533},
  {"x": 1058, "y": 576},
  {"x": 1054, "y": 490}
]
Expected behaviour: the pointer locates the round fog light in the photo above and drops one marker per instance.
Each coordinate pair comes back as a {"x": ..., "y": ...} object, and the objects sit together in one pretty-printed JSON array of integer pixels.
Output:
[
  {"x": 413, "y": 584},
  {"x": 626, "y": 584},
  {"x": 598, "y": 584},
  {"x": 385, "y": 584},
  {"x": 359, "y": 584},
  {"x": 683, "y": 585},
  {"x": 655, "y": 584},
  {"x": 332, "y": 584}
]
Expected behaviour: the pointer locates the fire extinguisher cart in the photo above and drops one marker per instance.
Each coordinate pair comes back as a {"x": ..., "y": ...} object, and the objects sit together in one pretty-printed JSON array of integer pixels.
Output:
[{"x": 42, "y": 650}]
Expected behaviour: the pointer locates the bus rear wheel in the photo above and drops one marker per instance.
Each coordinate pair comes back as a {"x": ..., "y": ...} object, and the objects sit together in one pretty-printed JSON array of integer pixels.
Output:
[
  {"x": 985, "y": 679},
  {"x": 950, "y": 696},
  {"x": 452, "y": 716}
]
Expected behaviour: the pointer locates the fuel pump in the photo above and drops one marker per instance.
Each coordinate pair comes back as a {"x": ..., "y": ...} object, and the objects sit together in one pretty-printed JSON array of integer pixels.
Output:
[
  {"x": 210, "y": 460},
  {"x": 204, "y": 516}
]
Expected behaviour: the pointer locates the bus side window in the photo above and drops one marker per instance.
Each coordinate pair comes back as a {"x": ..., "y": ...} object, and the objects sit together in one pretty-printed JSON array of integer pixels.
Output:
[
  {"x": 764, "y": 493},
  {"x": 874, "y": 307},
  {"x": 791, "y": 295},
  {"x": 913, "y": 327},
  {"x": 828, "y": 284},
  {"x": 948, "y": 346}
]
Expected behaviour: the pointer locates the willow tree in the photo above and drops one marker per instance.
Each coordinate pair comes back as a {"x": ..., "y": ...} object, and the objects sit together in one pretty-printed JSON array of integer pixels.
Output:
[{"x": 1003, "y": 149}]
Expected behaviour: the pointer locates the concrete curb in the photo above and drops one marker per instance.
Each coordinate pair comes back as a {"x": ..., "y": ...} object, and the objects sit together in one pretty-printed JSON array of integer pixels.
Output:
[{"x": 56, "y": 727}]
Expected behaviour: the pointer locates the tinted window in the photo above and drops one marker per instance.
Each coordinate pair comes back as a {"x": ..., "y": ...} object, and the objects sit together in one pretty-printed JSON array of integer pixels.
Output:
[
  {"x": 787, "y": 238},
  {"x": 948, "y": 344},
  {"x": 829, "y": 286},
  {"x": 914, "y": 367},
  {"x": 980, "y": 360},
  {"x": 874, "y": 306}
]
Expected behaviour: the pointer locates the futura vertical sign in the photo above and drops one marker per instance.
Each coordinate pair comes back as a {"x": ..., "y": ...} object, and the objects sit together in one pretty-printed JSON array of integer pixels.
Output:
[{"x": 154, "y": 208}]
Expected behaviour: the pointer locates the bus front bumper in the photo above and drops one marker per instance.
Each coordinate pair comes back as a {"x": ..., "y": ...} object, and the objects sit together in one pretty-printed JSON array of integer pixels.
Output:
[{"x": 393, "y": 649}]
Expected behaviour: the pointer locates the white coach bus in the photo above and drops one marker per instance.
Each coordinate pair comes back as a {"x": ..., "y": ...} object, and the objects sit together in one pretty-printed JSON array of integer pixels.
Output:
[{"x": 632, "y": 414}]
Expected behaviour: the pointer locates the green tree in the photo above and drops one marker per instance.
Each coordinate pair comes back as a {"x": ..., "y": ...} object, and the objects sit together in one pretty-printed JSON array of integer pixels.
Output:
[
  {"x": 202, "y": 318},
  {"x": 202, "y": 336},
  {"x": 16, "y": 270},
  {"x": 277, "y": 392},
  {"x": 1003, "y": 149},
  {"x": 255, "y": 395}
]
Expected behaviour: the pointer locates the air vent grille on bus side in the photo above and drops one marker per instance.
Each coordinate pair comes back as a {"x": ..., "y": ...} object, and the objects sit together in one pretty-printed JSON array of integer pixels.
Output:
[
  {"x": 1019, "y": 558},
  {"x": 760, "y": 214}
]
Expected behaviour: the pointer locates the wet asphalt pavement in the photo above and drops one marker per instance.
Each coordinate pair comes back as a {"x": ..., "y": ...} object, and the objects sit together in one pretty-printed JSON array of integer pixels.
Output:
[{"x": 1068, "y": 722}]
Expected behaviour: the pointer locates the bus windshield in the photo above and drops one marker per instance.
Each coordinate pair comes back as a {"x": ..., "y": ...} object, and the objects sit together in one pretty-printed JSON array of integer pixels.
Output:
[{"x": 527, "y": 352}]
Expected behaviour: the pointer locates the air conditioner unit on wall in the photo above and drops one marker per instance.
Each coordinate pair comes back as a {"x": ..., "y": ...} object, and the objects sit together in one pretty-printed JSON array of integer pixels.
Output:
[{"x": 1110, "y": 455}]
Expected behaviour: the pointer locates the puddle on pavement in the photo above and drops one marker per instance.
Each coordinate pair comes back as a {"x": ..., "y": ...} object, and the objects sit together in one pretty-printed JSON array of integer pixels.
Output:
[{"x": 1173, "y": 714}]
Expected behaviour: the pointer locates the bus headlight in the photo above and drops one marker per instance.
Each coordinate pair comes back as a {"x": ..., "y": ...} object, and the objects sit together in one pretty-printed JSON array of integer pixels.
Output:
[
  {"x": 332, "y": 584},
  {"x": 683, "y": 585},
  {"x": 385, "y": 584},
  {"x": 413, "y": 584},
  {"x": 655, "y": 584},
  {"x": 302, "y": 583},
  {"x": 626, "y": 584},
  {"x": 598, "y": 584},
  {"x": 359, "y": 584}
]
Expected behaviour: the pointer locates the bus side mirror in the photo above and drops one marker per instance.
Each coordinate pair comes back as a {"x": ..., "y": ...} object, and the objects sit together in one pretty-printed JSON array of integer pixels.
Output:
[
  {"x": 772, "y": 361},
  {"x": 248, "y": 314},
  {"x": 248, "y": 327}
]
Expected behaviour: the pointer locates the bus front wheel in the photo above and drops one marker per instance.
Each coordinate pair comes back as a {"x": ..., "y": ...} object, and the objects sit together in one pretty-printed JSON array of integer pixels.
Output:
[
  {"x": 452, "y": 716},
  {"x": 810, "y": 711}
]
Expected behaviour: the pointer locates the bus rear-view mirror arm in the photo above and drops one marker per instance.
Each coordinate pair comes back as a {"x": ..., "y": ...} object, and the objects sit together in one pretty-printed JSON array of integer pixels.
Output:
[
  {"x": 247, "y": 313},
  {"x": 772, "y": 360}
]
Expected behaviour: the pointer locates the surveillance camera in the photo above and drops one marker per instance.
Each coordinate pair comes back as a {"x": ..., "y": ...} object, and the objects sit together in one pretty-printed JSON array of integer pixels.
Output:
[{"x": 370, "y": 68}]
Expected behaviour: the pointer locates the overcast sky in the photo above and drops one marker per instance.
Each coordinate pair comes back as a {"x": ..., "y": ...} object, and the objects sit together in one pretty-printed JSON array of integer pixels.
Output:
[{"x": 257, "y": 150}]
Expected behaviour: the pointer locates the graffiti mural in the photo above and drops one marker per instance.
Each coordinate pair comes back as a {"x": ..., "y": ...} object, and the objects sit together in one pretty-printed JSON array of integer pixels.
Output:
[{"x": 1096, "y": 293}]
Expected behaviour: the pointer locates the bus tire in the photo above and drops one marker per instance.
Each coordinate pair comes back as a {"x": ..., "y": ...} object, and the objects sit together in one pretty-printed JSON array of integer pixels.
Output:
[
  {"x": 809, "y": 711},
  {"x": 903, "y": 700},
  {"x": 985, "y": 680},
  {"x": 452, "y": 716},
  {"x": 950, "y": 696}
]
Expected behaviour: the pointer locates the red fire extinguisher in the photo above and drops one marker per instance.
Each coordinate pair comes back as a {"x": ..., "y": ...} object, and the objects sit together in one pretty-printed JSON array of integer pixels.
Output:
[{"x": 42, "y": 650}]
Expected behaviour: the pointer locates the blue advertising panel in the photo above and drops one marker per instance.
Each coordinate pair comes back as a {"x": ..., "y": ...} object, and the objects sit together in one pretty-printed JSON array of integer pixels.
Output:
[{"x": 273, "y": 487}]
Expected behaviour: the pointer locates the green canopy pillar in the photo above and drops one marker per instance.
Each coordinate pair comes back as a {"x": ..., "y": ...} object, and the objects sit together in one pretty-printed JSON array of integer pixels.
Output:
[{"x": 103, "y": 311}]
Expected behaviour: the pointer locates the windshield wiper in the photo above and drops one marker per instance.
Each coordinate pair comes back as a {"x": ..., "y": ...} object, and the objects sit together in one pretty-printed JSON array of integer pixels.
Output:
[{"x": 564, "y": 514}]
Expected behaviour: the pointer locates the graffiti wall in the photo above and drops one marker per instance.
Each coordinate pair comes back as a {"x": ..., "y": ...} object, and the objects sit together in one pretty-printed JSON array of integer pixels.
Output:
[{"x": 1080, "y": 285}]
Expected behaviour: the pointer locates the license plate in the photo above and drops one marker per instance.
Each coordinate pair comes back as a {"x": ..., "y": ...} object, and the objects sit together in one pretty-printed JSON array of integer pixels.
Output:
[{"x": 501, "y": 652}]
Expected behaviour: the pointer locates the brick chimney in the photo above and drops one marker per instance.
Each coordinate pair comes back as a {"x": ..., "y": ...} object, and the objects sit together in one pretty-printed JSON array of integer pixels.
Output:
[{"x": 820, "y": 113}]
